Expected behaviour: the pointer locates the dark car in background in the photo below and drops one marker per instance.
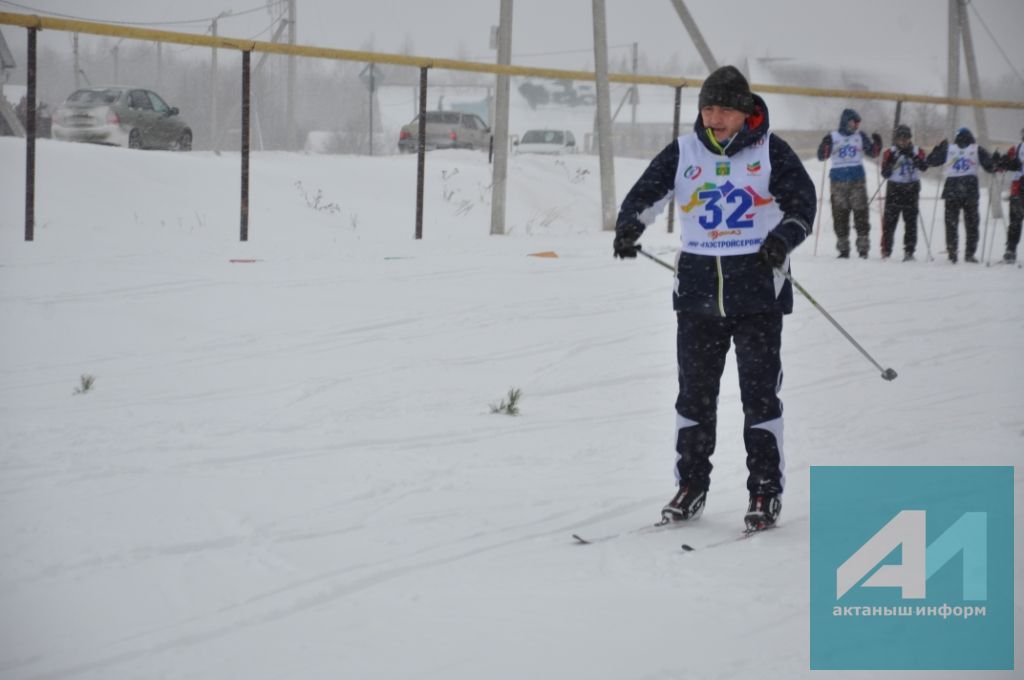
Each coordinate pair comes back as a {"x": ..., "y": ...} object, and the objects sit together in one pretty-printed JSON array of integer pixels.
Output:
[
  {"x": 122, "y": 116},
  {"x": 446, "y": 130}
]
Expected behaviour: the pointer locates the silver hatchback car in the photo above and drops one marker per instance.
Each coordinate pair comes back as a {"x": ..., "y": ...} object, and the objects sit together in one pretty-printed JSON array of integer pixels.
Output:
[
  {"x": 446, "y": 130},
  {"x": 122, "y": 116}
]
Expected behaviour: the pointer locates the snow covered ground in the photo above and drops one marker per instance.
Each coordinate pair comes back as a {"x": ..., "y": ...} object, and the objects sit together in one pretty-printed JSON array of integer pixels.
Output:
[{"x": 287, "y": 466}]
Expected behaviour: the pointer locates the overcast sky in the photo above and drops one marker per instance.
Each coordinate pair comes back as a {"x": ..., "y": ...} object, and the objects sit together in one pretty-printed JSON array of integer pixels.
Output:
[{"x": 910, "y": 33}]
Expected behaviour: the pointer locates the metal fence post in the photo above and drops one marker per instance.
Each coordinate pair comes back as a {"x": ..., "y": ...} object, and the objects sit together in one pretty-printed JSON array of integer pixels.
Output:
[
  {"x": 675, "y": 135},
  {"x": 421, "y": 151},
  {"x": 30, "y": 140},
  {"x": 244, "y": 235}
]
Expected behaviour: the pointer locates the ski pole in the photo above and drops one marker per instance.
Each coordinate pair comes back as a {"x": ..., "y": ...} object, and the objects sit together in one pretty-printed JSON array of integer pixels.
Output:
[
  {"x": 935, "y": 209},
  {"x": 887, "y": 373},
  {"x": 664, "y": 264},
  {"x": 924, "y": 234},
  {"x": 882, "y": 184},
  {"x": 821, "y": 200},
  {"x": 988, "y": 212},
  {"x": 881, "y": 201},
  {"x": 995, "y": 219}
]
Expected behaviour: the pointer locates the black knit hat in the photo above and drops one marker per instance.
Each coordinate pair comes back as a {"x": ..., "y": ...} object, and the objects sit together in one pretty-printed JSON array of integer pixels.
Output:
[
  {"x": 901, "y": 132},
  {"x": 963, "y": 138},
  {"x": 727, "y": 87}
]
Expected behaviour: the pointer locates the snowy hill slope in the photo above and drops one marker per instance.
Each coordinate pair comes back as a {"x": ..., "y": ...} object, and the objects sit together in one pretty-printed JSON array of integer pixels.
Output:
[{"x": 287, "y": 467}]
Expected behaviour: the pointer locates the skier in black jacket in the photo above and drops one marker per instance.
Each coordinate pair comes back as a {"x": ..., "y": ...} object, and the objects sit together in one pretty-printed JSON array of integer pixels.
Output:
[
  {"x": 744, "y": 201},
  {"x": 1011, "y": 162},
  {"x": 902, "y": 164},
  {"x": 960, "y": 192}
]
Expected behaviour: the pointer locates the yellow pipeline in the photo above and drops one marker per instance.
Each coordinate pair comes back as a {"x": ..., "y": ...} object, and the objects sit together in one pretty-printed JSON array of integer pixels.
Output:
[{"x": 93, "y": 28}]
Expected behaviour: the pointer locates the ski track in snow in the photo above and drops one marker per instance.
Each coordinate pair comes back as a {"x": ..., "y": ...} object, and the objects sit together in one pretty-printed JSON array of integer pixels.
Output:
[{"x": 288, "y": 468}]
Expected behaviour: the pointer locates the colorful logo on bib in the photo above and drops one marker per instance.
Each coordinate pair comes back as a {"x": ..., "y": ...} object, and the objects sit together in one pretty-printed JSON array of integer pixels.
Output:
[
  {"x": 693, "y": 172},
  {"x": 715, "y": 234},
  {"x": 754, "y": 168},
  {"x": 722, "y": 168},
  {"x": 727, "y": 206}
]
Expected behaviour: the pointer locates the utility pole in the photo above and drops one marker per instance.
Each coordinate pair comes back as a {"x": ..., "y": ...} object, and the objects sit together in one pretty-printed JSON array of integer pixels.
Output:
[
  {"x": 160, "y": 66},
  {"x": 372, "y": 88},
  {"x": 975, "y": 85},
  {"x": 78, "y": 78},
  {"x": 213, "y": 77},
  {"x": 604, "y": 122},
  {"x": 634, "y": 96},
  {"x": 499, "y": 176},
  {"x": 117, "y": 65},
  {"x": 972, "y": 73},
  {"x": 953, "y": 67},
  {"x": 290, "y": 104},
  {"x": 695, "y": 35},
  {"x": 256, "y": 71}
]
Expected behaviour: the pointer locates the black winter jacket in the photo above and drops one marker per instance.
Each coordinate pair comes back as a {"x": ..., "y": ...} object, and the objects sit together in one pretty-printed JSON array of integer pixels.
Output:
[
  {"x": 960, "y": 188},
  {"x": 894, "y": 155},
  {"x": 735, "y": 284}
]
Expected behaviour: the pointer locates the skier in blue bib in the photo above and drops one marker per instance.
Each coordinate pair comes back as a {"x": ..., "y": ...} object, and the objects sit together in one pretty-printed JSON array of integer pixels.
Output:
[
  {"x": 744, "y": 201},
  {"x": 846, "y": 148}
]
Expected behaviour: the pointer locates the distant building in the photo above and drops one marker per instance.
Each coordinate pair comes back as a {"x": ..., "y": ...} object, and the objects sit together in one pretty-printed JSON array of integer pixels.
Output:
[
  {"x": 911, "y": 75},
  {"x": 10, "y": 95}
]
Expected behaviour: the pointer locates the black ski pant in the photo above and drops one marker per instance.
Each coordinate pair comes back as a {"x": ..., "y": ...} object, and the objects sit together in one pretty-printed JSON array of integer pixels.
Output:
[
  {"x": 900, "y": 199},
  {"x": 1013, "y": 227},
  {"x": 702, "y": 343},
  {"x": 969, "y": 206},
  {"x": 850, "y": 197}
]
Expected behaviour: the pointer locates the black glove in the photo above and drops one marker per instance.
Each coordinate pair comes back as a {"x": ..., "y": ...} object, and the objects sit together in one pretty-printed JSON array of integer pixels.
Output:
[
  {"x": 825, "y": 148},
  {"x": 876, "y": 139},
  {"x": 625, "y": 244},
  {"x": 907, "y": 151},
  {"x": 773, "y": 251}
]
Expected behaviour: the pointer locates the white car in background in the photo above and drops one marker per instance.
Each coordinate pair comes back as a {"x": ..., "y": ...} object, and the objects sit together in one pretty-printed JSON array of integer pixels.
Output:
[{"x": 552, "y": 142}]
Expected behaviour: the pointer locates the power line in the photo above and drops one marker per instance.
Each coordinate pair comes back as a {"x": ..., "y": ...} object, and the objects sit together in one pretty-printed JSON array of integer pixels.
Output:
[
  {"x": 588, "y": 50},
  {"x": 202, "y": 20},
  {"x": 267, "y": 29},
  {"x": 996, "y": 42}
]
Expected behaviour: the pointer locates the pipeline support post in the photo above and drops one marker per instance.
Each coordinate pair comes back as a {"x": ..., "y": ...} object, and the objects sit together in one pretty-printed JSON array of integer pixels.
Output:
[
  {"x": 30, "y": 139},
  {"x": 421, "y": 151},
  {"x": 675, "y": 135},
  {"x": 246, "y": 92}
]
